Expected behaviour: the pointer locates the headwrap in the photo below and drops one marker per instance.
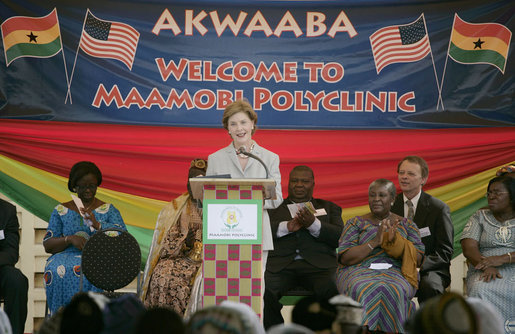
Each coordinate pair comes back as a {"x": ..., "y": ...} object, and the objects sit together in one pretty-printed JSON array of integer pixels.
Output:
[
  {"x": 200, "y": 164},
  {"x": 167, "y": 218},
  {"x": 487, "y": 316},
  {"x": 227, "y": 318},
  {"x": 350, "y": 312},
  {"x": 444, "y": 314},
  {"x": 5, "y": 325},
  {"x": 508, "y": 169},
  {"x": 290, "y": 328}
]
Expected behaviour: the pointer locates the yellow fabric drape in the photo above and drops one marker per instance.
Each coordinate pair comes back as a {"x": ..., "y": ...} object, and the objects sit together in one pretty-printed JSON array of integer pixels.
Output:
[{"x": 401, "y": 247}]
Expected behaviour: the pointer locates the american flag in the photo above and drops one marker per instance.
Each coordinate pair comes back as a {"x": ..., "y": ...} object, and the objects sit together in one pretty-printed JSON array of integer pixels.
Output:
[
  {"x": 107, "y": 39},
  {"x": 400, "y": 44}
]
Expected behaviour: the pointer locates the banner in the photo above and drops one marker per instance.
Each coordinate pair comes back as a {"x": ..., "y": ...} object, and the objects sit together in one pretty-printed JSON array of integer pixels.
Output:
[{"x": 313, "y": 65}]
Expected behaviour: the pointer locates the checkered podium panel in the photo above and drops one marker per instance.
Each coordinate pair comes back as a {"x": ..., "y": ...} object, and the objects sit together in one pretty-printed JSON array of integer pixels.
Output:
[{"x": 234, "y": 271}]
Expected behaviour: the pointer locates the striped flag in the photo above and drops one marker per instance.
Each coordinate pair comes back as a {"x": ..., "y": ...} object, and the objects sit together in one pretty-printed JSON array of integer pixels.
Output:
[
  {"x": 109, "y": 39},
  {"x": 483, "y": 43},
  {"x": 37, "y": 37},
  {"x": 400, "y": 43}
]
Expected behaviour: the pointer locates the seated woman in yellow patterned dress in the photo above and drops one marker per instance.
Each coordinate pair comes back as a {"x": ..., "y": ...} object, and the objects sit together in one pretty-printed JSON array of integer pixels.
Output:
[{"x": 175, "y": 253}]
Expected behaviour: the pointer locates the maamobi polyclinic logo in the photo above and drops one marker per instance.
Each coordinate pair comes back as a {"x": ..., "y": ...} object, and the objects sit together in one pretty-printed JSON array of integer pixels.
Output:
[{"x": 231, "y": 217}]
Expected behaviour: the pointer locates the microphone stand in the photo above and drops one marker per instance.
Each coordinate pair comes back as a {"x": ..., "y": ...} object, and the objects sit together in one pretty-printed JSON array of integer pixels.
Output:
[{"x": 243, "y": 151}]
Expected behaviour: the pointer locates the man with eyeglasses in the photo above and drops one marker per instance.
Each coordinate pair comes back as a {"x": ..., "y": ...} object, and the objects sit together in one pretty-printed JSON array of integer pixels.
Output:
[{"x": 433, "y": 218}]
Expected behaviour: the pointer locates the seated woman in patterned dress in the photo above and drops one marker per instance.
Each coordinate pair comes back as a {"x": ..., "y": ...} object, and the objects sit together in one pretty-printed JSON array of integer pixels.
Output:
[
  {"x": 68, "y": 230},
  {"x": 488, "y": 243},
  {"x": 175, "y": 253},
  {"x": 378, "y": 258}
]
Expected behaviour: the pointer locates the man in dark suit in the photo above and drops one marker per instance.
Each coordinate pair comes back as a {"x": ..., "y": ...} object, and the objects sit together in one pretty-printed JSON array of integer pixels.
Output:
[
  {"x": 305, "y": 242},
  {"x": 13, "y": 284},
  {"x": 433, "y": 219}
]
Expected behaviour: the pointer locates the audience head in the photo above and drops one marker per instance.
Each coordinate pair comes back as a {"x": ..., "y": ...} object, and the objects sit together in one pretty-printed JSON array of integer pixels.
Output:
[
  {"x": 79, "y": 172},
  {"x": 349, "y": 315},
  {"x": 487, "y": 316},
  {"x": 315, "y": 314},
  {"x": 5, "y": 324},
  {"x": 289, "y": 329},
  {"x": 52, "y": 324},
  {"x": 82, "y": 315},
  {"x": 381, "y": 195},
  {"x": 446, "y": 314},
  {"x": 236, "y": 107},
  {"x": 121, "y": 314},
  {"x": 226, "y": 318},
  {"x": 412, "y": 172},
  {"x": 501, "y": 194},
  {"x": 301, "y": 184},
  {"x": 159, "y": 320}
]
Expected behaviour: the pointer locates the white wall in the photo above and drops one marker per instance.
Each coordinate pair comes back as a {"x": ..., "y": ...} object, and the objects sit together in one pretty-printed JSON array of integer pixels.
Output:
[{"x": 32, "y": 263}]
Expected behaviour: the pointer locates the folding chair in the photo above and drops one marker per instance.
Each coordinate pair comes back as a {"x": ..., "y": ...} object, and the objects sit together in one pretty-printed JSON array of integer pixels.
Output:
[{"x": 111, "y": 259}]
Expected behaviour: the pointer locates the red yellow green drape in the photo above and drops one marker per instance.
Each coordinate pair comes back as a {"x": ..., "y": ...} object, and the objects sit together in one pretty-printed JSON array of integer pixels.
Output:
[{"x": 144, "y": 167}]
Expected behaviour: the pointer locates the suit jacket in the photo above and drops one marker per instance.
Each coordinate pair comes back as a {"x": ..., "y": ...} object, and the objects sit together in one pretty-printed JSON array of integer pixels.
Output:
[
  {"x": 225, "y": 161},
  {"x": 9, "y": 227},
  {"x": 319, "y": 252},
  {"x": 435, "y": 214}
]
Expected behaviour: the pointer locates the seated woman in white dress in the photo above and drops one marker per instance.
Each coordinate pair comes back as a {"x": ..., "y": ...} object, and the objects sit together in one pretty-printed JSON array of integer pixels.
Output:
[{"x": 488, "y": 243}]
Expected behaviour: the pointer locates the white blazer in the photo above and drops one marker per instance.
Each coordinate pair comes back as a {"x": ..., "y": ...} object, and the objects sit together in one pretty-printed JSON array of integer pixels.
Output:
[{"x": 225, "y": 161}]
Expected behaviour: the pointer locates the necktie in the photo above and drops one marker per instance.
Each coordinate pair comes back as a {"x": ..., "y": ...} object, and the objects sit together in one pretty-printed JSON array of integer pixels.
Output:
[{"x": 411, "y": 212}]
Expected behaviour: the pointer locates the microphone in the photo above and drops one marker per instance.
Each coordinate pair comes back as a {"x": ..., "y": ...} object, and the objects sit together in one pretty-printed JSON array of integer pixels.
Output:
[{"x": 243, "y": 151}]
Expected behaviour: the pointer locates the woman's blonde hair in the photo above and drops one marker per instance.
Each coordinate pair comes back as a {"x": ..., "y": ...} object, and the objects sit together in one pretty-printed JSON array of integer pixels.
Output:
[{"x": 236, "y": 107}]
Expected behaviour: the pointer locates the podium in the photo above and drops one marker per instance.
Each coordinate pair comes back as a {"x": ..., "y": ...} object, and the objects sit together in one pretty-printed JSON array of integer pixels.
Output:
[{"x": 232, "y": 238}]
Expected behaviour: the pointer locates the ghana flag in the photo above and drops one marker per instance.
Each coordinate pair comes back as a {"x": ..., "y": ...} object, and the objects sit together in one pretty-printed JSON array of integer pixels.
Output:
[
  {"x": 25, "y": 36},
  {"x": 483, "y": 43}
]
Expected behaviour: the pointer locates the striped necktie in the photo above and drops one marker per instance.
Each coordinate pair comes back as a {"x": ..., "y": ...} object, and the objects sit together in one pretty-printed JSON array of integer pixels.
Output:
[{"x": 411, "y": 212}]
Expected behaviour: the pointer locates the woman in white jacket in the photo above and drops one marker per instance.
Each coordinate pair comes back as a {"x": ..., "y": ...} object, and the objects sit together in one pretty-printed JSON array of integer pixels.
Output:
[{"x": 239, "y": 119}]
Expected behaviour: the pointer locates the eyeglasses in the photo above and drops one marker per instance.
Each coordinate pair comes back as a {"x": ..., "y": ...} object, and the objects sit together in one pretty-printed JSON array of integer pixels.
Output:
[
  {"x": 90, "y": 186},
  {"x": 495, "y": 193}
]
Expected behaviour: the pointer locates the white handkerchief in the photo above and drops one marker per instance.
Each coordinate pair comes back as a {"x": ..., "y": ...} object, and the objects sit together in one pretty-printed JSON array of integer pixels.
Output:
[
  {"x": 2, "y": 236},
  {"x": 380, "y": 266},
  {"x": 78, "y": 203}
]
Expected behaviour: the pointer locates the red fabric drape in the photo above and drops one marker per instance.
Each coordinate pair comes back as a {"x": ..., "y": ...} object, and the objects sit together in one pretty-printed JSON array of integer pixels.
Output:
[{"x": 153, "y": 161}]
